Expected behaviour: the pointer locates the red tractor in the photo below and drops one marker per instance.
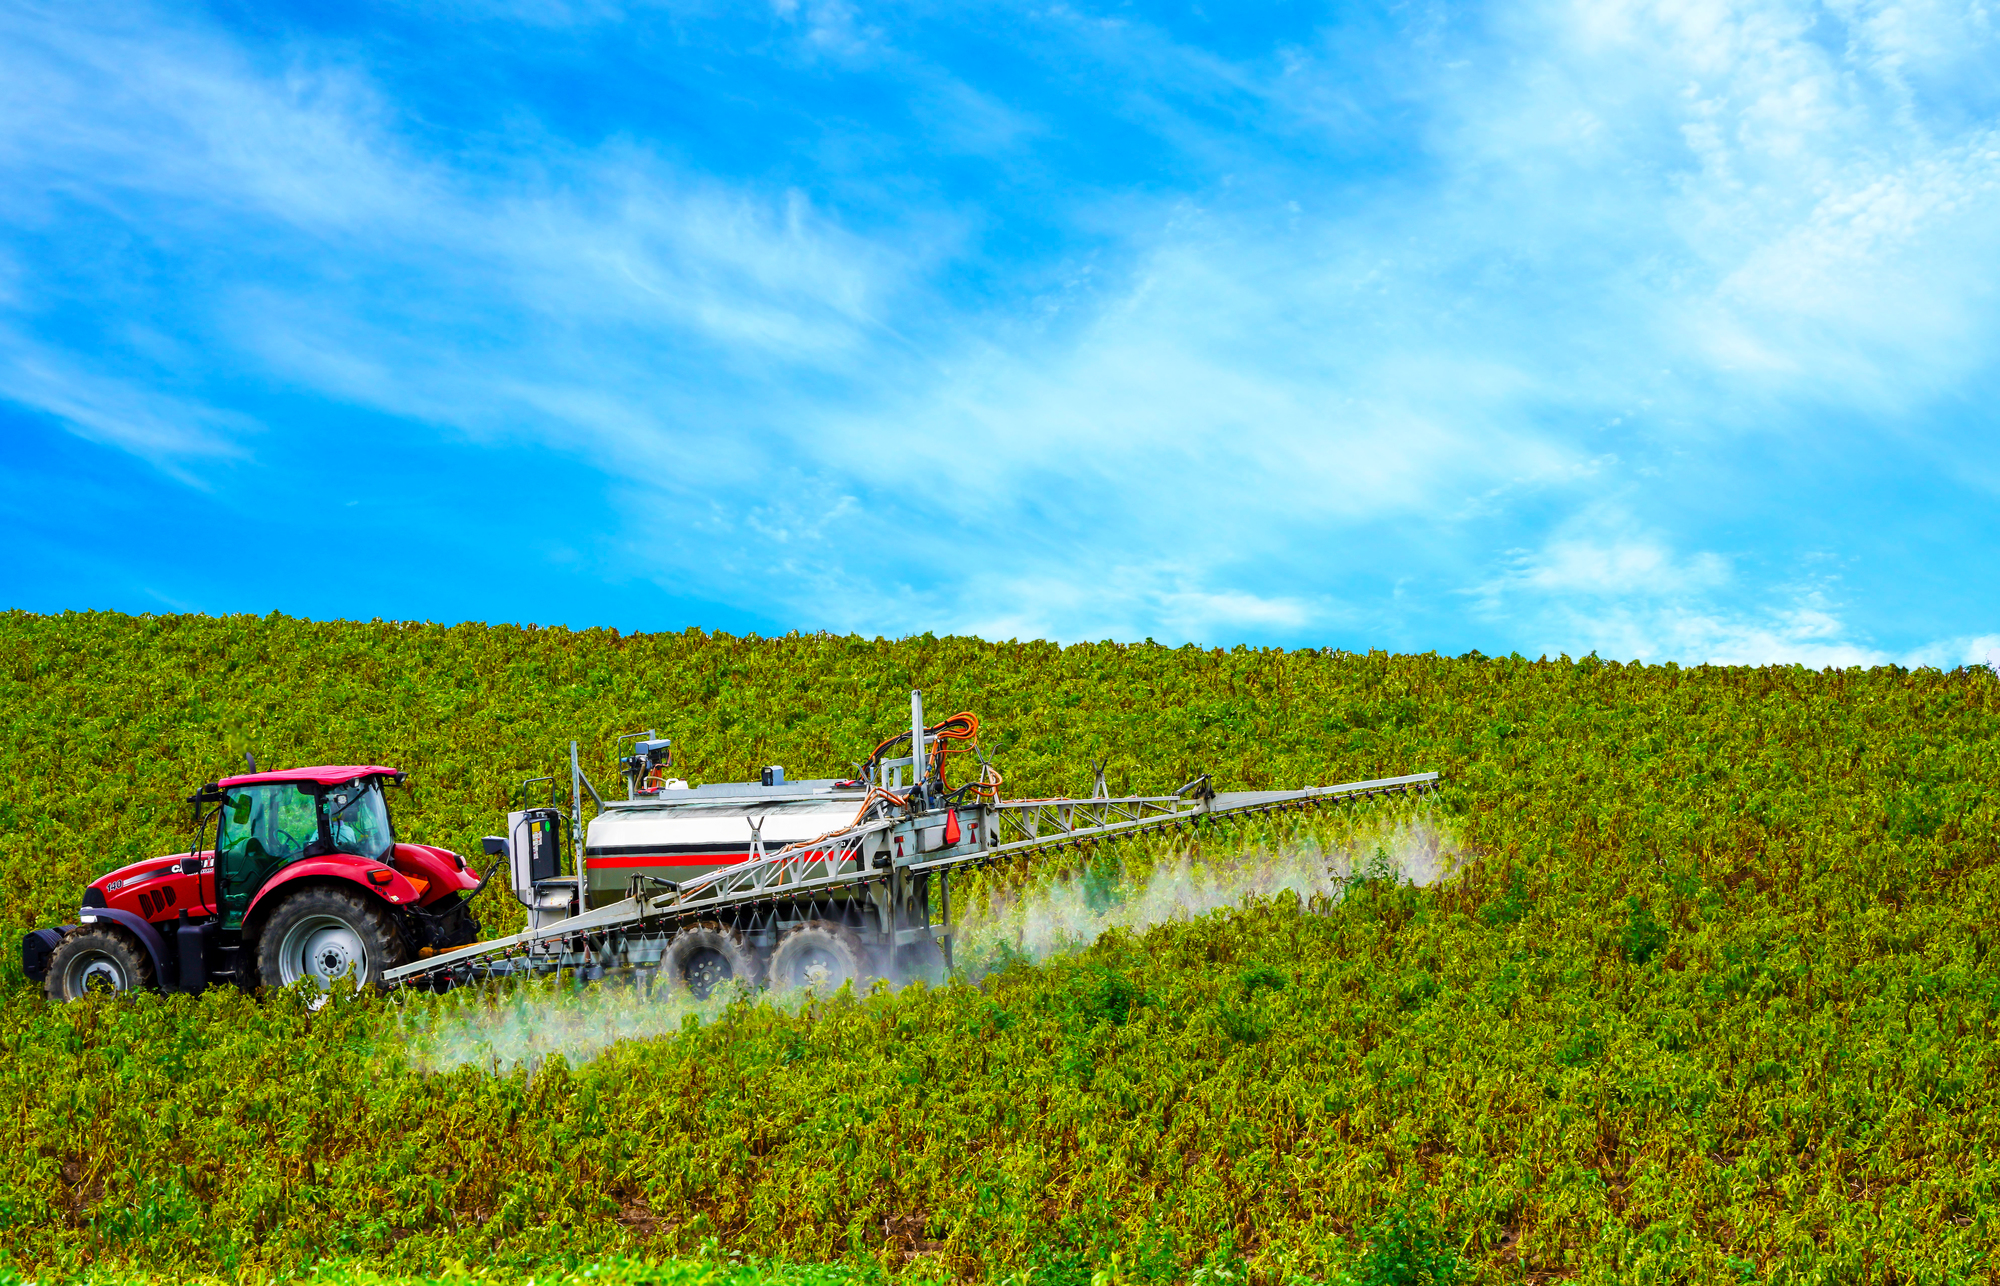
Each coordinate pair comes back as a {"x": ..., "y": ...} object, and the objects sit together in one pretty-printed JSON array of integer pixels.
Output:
[{"x": 305, "y": 879}]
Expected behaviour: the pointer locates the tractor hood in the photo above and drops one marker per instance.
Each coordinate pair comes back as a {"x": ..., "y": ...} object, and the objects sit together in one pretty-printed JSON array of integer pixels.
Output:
[
  {"x": 151, "y": 868},
  {"x": 157, "y": 889}
]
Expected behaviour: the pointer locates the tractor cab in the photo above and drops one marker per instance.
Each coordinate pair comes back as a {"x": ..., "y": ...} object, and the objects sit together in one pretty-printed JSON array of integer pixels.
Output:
[{"x": 265, "y": 825}]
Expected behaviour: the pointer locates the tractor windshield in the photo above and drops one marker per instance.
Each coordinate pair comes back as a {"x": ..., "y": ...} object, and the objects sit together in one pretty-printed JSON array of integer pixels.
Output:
[{"x": 357, "y": 820}]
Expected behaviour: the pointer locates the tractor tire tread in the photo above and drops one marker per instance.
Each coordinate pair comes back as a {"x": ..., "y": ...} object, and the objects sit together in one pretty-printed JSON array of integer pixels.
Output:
[
  {"x": 106, "y": 940},
  {"x": 382, "y": 936}
]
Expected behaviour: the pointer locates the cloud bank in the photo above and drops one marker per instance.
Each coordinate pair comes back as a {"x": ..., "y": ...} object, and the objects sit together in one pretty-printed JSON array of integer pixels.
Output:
[{"x": 1655, "y": 329}]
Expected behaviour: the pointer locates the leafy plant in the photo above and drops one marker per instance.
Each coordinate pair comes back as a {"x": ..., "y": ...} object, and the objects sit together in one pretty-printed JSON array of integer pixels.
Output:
[
  {"x": 1643, "y": 936},
  {"x": 1241, "y": 1025},
  {"x": 1403, "y": 1248},
  {"x": 1511, "y": 907},
  {"x": 1262, "y": 977},
  {"x": 1099, "y": 994}
]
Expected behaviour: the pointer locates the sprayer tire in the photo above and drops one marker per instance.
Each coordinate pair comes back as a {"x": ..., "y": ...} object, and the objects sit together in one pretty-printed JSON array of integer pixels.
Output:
[
  {"x": 704, "y": 956},
  {"x": 821, "y": 955},
  {"x": 922, "y": 960},
  {"x": 103, "y": 960}
]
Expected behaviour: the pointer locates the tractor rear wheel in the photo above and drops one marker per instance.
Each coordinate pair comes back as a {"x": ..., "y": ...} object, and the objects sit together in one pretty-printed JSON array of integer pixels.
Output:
[
  {"x": 322, "y": 934},
  {"x": 818, "y": 955},
  {"x": 105, "y": 961},
  {"x": 704, "y": 956}
]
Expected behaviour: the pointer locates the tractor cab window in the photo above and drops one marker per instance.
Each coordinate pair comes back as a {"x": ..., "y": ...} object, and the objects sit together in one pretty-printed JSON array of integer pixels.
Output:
[
  {"x": 268, "y": 823},
  {"x": 357, "y": 820},
  {"x": 262, "y": 828}
]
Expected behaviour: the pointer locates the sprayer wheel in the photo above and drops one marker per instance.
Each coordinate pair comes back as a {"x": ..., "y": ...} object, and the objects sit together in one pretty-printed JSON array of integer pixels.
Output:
[
  {"x": 920, "y": 960},
  {"x": 818, "y": 955},
  {"x": 704, "y": 956}
]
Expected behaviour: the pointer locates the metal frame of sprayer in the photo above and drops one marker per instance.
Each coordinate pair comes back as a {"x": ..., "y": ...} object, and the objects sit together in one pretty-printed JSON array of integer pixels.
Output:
[{"x": 869, "y": 858}]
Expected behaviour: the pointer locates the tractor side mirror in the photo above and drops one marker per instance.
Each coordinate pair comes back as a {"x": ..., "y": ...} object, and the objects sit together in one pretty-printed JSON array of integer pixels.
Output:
[{"x": 494, "y": 845}]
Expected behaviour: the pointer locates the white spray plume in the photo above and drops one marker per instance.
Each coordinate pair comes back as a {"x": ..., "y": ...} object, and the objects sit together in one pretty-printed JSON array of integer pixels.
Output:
[
  {"x": 1065, "y": 913},
  {"x": 501, "y": 1030}
]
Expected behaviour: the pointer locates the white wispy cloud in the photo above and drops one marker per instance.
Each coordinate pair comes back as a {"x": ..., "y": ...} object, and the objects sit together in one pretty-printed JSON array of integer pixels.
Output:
[
  {"x": 1806, "y": 634},
  {"x": 1786, "y": 202},
  {"x": 1946, "y": 654},
  {"x": 1639, "y": 567},
  {"x": 170, "y": 432},
  {"x": 559, "y": 300},
  {"x": 1124, "y": 603}
]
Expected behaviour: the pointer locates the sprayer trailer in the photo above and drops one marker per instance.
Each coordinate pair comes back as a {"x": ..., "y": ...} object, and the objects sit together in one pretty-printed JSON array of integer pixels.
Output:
[{"x": 793, "y": 884}]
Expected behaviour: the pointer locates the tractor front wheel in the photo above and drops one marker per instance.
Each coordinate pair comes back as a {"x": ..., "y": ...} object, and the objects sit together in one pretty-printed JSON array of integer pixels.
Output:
[
  {"x": 105, "y": 961},
  {"x": 324, "y": 934}
]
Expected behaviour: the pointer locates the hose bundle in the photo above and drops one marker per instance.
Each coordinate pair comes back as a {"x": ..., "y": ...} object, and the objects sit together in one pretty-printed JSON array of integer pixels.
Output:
[{"x": 956, "y": 734}]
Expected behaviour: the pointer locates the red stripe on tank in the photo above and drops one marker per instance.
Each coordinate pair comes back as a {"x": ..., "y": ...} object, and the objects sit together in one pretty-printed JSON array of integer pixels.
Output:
[
  {"x": 669, "y": 861},
  {"x": 680, "y": 861}
]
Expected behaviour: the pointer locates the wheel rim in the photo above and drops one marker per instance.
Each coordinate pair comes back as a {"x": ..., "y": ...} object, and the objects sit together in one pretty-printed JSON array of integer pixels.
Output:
[
  {"x": 818, "y": 969},
  {"x": 96, "y": 972},
  {"x": 322, "y": 948},
  {"x": 706, "y": 970}
]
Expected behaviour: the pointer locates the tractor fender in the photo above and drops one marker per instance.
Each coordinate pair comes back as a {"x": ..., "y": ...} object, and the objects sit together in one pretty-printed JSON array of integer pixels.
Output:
[
  {"x": 445, "y": 869},
  {"x": 398, "y": 892},
  {"x": 148, "y": 936}
]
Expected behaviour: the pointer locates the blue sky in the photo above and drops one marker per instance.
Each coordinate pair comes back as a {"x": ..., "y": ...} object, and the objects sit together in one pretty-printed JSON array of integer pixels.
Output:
[{"x": 1665, "y": 331}]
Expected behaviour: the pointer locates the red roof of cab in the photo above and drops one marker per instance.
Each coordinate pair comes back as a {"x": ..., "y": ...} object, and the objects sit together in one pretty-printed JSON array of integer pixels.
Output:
[{"x": 331, "y": 776}]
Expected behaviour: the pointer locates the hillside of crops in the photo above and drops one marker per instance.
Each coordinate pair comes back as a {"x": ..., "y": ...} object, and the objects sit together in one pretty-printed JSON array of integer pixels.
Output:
[
  {"x": 613, "y": 1270},
  {"x": 1709, "y": 999}
]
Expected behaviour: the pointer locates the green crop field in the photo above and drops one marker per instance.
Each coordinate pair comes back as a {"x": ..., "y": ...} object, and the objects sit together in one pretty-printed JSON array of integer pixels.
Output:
[{"x": 1708, "y": 998}]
